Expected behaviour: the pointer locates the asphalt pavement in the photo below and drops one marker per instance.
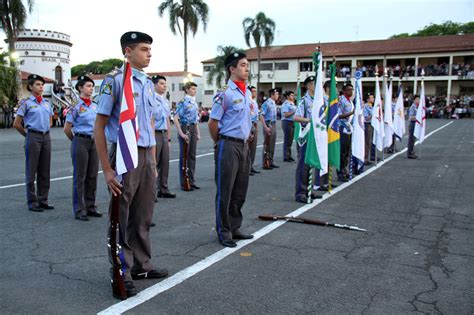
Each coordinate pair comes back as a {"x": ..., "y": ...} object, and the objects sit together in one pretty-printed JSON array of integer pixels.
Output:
[{"x": 416, "y": 255}]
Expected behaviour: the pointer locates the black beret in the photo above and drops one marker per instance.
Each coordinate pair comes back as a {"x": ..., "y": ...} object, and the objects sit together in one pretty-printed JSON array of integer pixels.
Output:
[
  {"x": 250, "y": 87},
  {"x": 311, "y": 78},
  {"x": 271, "y": 91},
  {"x": 34, "y": 77},
  {"x": 157, "y": 78},
  {"x": 81, "y": 80},
  {"x": 236, "y": 56},
  {"x": 135, "y": 38}
]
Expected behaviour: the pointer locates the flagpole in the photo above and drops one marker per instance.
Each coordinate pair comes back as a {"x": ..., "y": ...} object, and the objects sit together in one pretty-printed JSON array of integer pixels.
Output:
[
  {"x": 376, "y": 82},
  {"x": 422, "y": 89},
  {"x": 385, "y": 87}
]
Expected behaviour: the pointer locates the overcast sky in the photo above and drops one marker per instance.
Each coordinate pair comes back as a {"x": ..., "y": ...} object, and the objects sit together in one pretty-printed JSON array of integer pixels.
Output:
[{"x": 95, "y": 26}]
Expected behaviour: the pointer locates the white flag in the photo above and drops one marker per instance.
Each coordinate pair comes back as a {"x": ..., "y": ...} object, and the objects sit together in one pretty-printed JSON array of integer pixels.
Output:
[
  {"x": 399, "y": 117},
  {"x": 358, "y": 136},
  {"x": 318, "y": 118},
  {"x": 388, "y": 128},
  {"x": 377, "y": 118},
  {"x": 420, "y": 124}
]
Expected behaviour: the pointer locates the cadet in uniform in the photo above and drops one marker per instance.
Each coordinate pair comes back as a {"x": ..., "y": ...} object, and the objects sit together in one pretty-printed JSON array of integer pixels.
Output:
[
  {"x": 35, "y": 113},
  {"x": 303, "y": 116},
  {"x": 368, "y": 130},
  {"x": 411, "y": 129},
  {"x": 287, "y": 112},
  {"x": 186, "y": 122},
  {"x": 229, "y": 126},
  {"x": 162, "y": 134},
  {"x": 255, "y": 112},
  {"x": 268, "y": 118},
  {"x": 79, "y": 128},
  {"x": 137, "y": 191},
  {"x": 346, "y": 108}
]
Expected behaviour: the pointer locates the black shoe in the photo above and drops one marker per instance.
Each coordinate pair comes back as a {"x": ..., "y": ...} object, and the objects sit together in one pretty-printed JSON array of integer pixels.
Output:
[
  {"x": 314, "y": 196},
  {"x": 333, "y": 185},
  {"x": 302, "y": 200},
  {"x": 94, "y": 213},
  {"x": 241, "y": 236},
  {"x": 166, "y": 195},
  {"x": 274, "y": 166},
  {"x": 228, "y": 243},
  {"x": 323, "y": 188},
  {"x": 82, "y": 217},
  {"x": 251, "y": 174},
  {"x": 368, "y": 163},
  {"x": 195, "y": 186},
  {"x": 343, "y": 179},
  {"x": 152, "y": 224},
  {"x": 36, "y": 209},
  {"x": 413, "y": 156},
  {"x": 45, "y": 206},
  {"x": 255, "y": 171},
  {"x": 152, "y": 274},
  {"x": 292, "y": 159},
  {"x": 130, "y": 289}
]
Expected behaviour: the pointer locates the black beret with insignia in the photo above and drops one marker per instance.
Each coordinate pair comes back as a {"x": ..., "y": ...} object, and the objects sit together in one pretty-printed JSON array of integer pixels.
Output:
[
  {"x": 130, "y": 38},
  {"x": 157, "y": 78},
  {"x": 236, "y": 56},
  {"x": 311, "y": 78},
  {"x": 272, "y": 91},
  {"x": 250, "y": 87},
  {"x": 32, "y": 78},
  {"x": 82, "y": 79}
]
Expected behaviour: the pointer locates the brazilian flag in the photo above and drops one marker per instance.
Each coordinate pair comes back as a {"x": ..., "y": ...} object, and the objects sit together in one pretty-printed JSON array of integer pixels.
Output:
[{"x": 334, "y": 147}]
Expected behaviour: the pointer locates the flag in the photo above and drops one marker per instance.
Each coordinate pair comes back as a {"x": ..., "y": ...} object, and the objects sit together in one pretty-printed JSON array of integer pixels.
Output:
[
  {"x": 387, "y": 116},
  {"x": 420, "y": 124},
  {"x": 297, "y": 132},
  {"x": 334, "y": 147},
  {"x": 358, "y": 132},
  {"x": 399, "y": 116},
  {"x": 317, "y": 145},
  {"x": 127, "y": 148},
  {"x": 377, "y": 118}
]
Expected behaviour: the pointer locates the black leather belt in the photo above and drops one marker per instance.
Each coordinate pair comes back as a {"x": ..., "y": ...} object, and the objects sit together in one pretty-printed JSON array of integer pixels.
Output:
[
  {"x": 232, "y": 139},
  {"x": 82, "y": 135},
  {"x": 161, "y": 131},
  {"x": 40, "y": 132},
  {"x": 191, "y": 124}
]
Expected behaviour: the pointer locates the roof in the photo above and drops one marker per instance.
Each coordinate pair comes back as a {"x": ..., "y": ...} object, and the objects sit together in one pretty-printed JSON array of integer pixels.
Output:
[
  {"x": 24, "y": 77},
  {"x": 408, "y": 45},
  {"x": 165, "y": 74}
]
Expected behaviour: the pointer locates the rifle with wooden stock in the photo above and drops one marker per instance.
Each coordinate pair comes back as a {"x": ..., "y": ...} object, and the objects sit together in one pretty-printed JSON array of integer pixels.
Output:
[
  {"x": 184, "y": 167},
  {"x": 115, "y": 250},
  {"x": 271, "y": 217}
]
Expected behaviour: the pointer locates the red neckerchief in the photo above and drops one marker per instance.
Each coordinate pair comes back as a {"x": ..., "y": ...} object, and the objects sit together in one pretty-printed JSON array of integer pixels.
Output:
[
  {"x": 39, "y": 99},
  {"x": 348, "y": 98},
  {"x": 241, "y": 86},
  {"x": 86, "y": 100}
]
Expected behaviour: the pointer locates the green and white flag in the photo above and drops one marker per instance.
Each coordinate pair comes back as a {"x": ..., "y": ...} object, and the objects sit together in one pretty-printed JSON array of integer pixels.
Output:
[{"x": 317, "y": 147}]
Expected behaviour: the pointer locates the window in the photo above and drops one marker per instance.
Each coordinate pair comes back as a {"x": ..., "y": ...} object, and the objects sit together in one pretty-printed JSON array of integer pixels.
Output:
[
  {"x": 181, "y": 87},
  {"x": 43, "y": 53},
  {"x": 172, "y": 87},
  {"x": 306, "y": 66},
  {"x": 209, "y": 92},
  {"x": 208, "y": 68},
  {"x": 281, "y": 65},
  {"x": 266, "y": 66}
]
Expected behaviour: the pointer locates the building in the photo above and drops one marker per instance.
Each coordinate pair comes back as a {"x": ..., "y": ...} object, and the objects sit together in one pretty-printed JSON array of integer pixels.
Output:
[
  {"x": 45, "y": 53},
  {"x": 446, "y": 61},
  {"x": 174, "y": 80}
]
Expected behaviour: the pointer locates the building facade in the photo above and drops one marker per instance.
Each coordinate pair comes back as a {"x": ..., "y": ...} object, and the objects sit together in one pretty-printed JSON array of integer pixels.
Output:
[{"x": 446, "y": 61}]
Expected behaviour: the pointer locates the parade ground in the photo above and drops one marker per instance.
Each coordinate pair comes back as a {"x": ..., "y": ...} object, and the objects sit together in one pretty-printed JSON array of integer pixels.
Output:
[{"x": 416, "y": 255}]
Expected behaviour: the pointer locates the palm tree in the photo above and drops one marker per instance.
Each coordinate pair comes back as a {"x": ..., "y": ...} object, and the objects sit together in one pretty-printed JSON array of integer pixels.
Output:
[
  {"x": 217, "y": 73},
  {"x": 12, "y": 19},
  {"x": 191, "y": 13},
  {"x": 262, "y": 30}
]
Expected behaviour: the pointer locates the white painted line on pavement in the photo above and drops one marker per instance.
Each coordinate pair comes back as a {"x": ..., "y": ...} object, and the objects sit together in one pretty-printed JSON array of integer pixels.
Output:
[
  {"x": 192, "y": 270},
  {"x": 69, "y": 177}
]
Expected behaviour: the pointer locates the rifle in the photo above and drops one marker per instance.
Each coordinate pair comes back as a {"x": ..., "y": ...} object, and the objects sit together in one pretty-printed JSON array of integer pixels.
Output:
[
  {"x": 269, "y": 217},
  {"x": 115, "y": 250},
  {"x": 266, "y": 158},
  {"x": 184, "y": 168}
]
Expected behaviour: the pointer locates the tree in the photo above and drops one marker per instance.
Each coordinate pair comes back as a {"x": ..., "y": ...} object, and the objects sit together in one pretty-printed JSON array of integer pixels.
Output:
[
  {"x": 8, "y": 83},
  {"x": 12, "y": 19},
  {"x": 185, "y": 16},
  {"x": 262, "y": 30},
  {"x": 446, "y": 28},
  {"x": 217, "y": 73},
  {"x": 96, "y": 67}
]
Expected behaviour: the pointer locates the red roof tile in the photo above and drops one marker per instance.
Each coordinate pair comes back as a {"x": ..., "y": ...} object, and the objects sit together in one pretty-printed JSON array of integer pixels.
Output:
[
  {"x": 165, "y": 74},
  {"x": 409, "y": 45}
]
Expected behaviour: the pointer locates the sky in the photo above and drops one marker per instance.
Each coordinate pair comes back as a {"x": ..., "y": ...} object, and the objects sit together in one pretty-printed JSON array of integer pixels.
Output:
[{"x": 95, "y": 26}]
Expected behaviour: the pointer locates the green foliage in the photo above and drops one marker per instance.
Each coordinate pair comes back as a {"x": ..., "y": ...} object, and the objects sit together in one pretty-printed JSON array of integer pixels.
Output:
[
  {"x": 217, "y": 73},
  {"x": 446, "y": 28},
  {"x": 96, "y": 67},
  {"x": 13, "y": 15},
  {"x": 261, "y": 29},
  {"x": 8, "y": 81}
]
